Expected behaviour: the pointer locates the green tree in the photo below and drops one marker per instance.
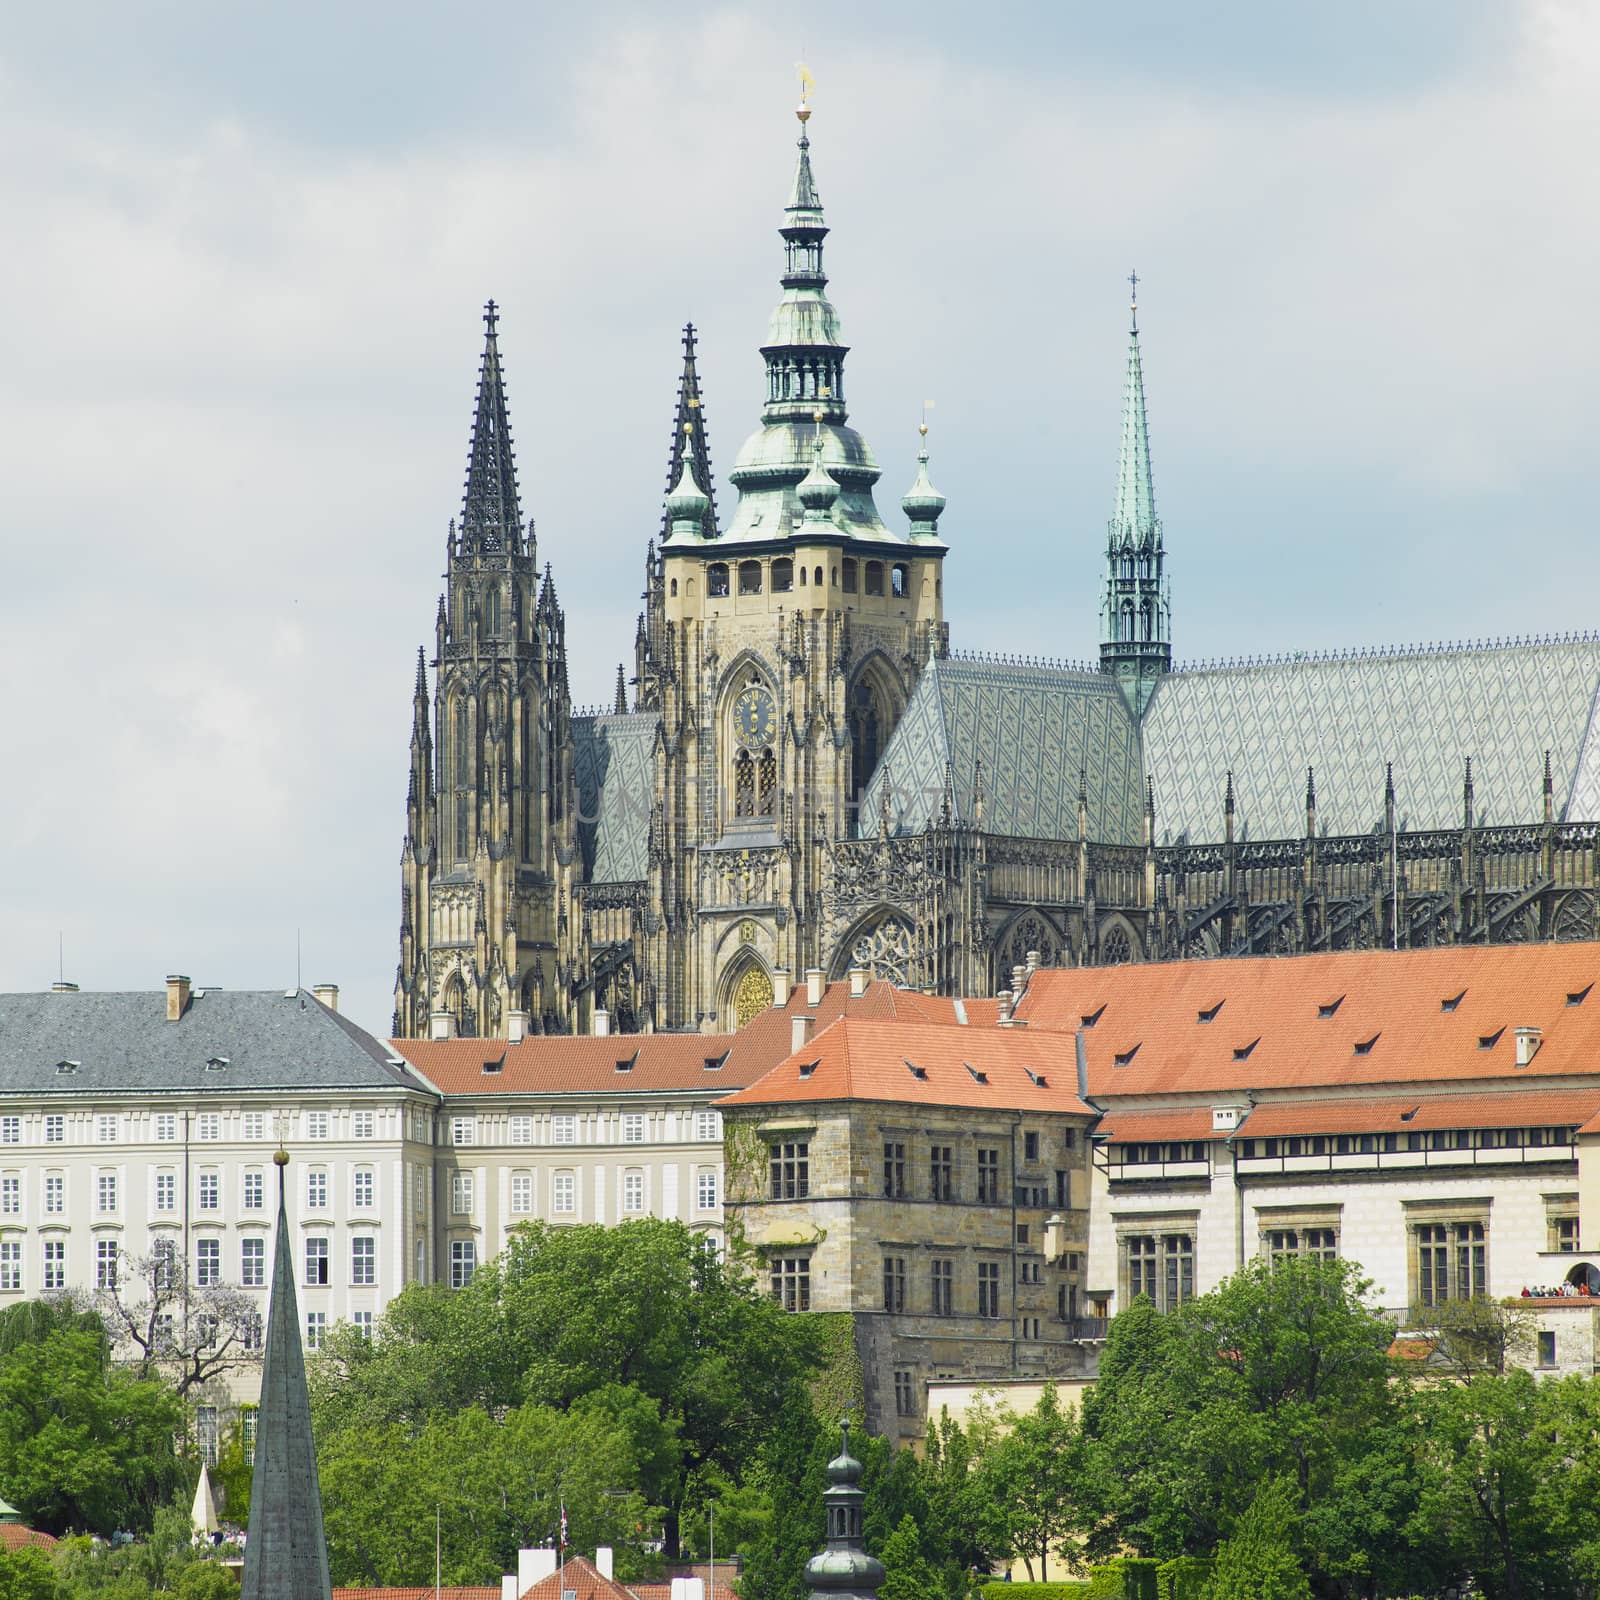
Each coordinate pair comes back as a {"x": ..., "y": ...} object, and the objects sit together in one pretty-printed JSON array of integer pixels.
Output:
[
  {"x": 1032, "y": 1475},
  {"x": 971, "y": 1525},
  {"x": 1258, "y": 1562},
  {"x": 908, "y": 1575},
  {"x": 27, "y": 1574},
  {"x": 206, "y": 1580},
  {"x": 82, "y": 1444},
  {"x": 1483, "y": 1335}
]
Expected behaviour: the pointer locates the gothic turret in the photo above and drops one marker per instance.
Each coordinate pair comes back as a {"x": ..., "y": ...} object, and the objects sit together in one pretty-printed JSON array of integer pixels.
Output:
[
  {"x": 1136, "y": 616},
  {"x": 923, "y": 504},
  {"x": 804, "y": 356},
  {"x": 690, "y": 442},
  {"x": 489, "y": 519}
]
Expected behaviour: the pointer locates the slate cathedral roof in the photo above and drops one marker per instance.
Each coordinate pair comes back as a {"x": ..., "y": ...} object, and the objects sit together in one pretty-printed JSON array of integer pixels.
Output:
[
  {"x": 1035, "y": 728},
  {"x": 613, "y": 762}
]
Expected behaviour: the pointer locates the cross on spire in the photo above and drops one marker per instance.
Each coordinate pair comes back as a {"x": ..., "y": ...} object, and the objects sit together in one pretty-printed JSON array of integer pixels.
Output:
[
  {"x": 491, "y": 316},
  {"x": 1133, "y": 284}
]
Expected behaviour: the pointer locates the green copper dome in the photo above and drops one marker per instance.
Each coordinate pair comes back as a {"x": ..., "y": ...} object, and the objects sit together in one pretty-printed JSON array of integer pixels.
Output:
[
  {"x": 686, "y": 505},
  {"x": 923, "y": 504}
]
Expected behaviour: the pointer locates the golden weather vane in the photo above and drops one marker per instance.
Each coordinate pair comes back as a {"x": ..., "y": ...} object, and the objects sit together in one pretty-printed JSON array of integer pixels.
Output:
[{"x": 808, "y": 86}]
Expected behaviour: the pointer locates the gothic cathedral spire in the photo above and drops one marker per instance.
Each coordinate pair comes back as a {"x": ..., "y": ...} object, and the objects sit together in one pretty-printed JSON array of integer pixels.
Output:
[
  {"x": 489, "y": 515},
  {"x": 1136, "y": 616},
  {"x": 689, "y": 437}
]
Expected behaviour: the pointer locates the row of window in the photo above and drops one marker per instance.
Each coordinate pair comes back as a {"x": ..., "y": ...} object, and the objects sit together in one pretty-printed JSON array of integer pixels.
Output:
[
  {"x": 941, "y": 1283},
  {"x": 168, "y": 1127},
  {"x": 789, "y": 1166},
  {"x": 869, "y": 576},
  {"x": 631, "y": 1127},
  {"x": 1366, "y": 1144},
  {"x": 564, "y": 1192},
  {"x": 106, "y": 1191}
]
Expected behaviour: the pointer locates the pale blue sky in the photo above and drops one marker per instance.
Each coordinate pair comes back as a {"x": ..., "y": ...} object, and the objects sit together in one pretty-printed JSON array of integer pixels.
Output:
[{"x": 247, "y": 249}]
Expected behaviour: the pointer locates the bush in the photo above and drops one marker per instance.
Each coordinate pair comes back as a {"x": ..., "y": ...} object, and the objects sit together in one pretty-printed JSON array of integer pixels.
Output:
[
  {"x": 1183, "y": 1578},
  {"x": 1035, "y": 1591},
  {"x": 1126, "y": 1578}
]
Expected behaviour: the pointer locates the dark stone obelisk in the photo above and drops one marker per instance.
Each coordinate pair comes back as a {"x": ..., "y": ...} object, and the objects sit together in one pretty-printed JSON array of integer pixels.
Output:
[{"x": 286, "y": 1554}]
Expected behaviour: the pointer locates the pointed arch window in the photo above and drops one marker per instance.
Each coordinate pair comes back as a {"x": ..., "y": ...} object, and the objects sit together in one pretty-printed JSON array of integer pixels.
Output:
[
  {"x": 1146, "y": 622},
  {"x": 866, "y": 733},
  {"x": 1127, "y": 623},
  {"x": 744, "y": 785},
  {"x": 767, "y": 785},
  {"x": 463, "y": 828},
  {"x": 463, "y": 745},
  {"x": 491, "y": 603}
]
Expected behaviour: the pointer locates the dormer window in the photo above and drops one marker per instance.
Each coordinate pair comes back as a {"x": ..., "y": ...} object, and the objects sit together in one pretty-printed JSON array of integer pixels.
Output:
[
  {"x": 66, "y": 1068},
  {"x": 1453, "y": 1001},
  {"x": 1330, "y": 1008},
  {"x": 1210, "y": 1014},
  {"x": 1124, "y": 1058},
  {"x": 217, "y": 1064}
]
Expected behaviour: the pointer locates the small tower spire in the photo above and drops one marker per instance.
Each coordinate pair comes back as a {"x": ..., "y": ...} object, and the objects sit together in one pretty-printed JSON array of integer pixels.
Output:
[
  {"x": 621, "y": 706},
  {"x": 490, "y": 520},
  {"x": 844, "y": 1570},
  {"x": 1136, "y": 645},
  {"x": 923, "y": 504},
  {"x": 689, "y": 440}
]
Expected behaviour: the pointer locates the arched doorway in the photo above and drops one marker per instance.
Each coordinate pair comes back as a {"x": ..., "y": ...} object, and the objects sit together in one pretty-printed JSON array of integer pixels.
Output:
[{"x": 751, "y": 994}]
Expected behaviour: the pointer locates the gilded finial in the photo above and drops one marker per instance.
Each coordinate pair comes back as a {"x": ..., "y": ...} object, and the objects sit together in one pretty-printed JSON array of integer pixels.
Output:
[
  {"x": 1133, "y": 283},
  {"x": 807, "y": 85}
]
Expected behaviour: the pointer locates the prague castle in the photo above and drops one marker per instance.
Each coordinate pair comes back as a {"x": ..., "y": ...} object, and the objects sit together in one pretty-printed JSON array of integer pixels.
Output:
[{"x": 806, "y": 776}]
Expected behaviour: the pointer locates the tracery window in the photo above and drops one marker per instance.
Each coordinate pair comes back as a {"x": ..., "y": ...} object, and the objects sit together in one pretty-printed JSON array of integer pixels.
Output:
[
  {"x": 865, "y": 735},
  {"x": 767, "y": 785},
  {"x": 744, "y": 785}
]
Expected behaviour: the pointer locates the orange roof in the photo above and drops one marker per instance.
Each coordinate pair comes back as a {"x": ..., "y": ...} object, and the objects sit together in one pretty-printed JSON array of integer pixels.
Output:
[
  {"x": 1509, "y": 1108},
  {"x": 1189, "y": 1122},
  {"x": 663, "y": 1591},
  {"x": 1323, "y": 1020},
  {"x": 659, "y": 1062},
  {"x": 580, "y": 1577},
  {"x": 470, "y": 1591},
  {"x": 13, "y": 1536},
  {"x": 925, "y": 1064}
]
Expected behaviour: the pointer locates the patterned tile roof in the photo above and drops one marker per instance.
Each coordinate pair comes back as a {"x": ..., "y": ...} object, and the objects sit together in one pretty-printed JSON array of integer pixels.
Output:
[
  {"x": 1034, "y": 729},
  {"x": 929, "y": 1064},
  {"x": 613, "y": 762},
  {"x": 1319, "y": 1021},
  {"x": 1425, "y": 710},
  {"x": 1510, "y": 1108}
]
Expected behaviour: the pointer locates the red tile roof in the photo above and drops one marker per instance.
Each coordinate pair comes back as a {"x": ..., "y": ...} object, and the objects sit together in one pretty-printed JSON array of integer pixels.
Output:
[
  {"x": 582, "y": 1577},
  {"x": 13, "y": 1536},
  {"x": 470, "y": 1591},
  {"x": 1509, "y": 1108},
  {"x": 925, "y": 1064},
  {"x": 1131, "y": 1127},
  {"x": 661, "y": 1062},
  {"x": 1367, "y": 1017}
]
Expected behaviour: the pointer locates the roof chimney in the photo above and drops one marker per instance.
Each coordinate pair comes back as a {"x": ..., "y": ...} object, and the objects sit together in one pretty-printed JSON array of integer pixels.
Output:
[
  {"x": 177, "y": 996},
  {"x": 1005, "y": 997},
  {"x": 1019, "y": 979},
  {"x": 814, "y": 986},
  {"x": 602, "y": 1561},
  {"x": 860, "y": 977},
  {"x": 1528, "y": 1042},
  {"x": 602, "y": 1022},
  {"x": 442, "y": 1025},
  {"x": 1033, "y": 962},
  {"x": 63, "y": 988},
  {"x": 1080, "y": 1050},
  {"x": 799, "y": 1031},
  {"x": 534, "y": 1566},
  {"x": 516, "y": 1027},
  {"x": 328, "y": 994},
  {"x": 780, "y": 987}
]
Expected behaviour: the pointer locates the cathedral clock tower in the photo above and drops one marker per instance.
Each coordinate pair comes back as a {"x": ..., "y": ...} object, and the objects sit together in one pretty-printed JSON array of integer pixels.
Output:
[{"x": 779, "y": 652}]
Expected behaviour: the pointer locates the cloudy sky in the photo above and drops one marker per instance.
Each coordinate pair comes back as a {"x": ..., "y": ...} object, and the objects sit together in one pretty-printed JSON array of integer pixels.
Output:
[{"x": 246, "y": 249}]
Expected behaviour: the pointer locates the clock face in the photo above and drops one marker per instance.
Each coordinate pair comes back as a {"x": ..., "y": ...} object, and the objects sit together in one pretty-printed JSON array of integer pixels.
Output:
[{"x": 754, "y": 717}]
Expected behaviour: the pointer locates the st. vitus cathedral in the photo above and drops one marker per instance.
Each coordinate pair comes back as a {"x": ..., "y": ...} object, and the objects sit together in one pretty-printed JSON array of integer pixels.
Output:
[{"x": 809, "y": 777}]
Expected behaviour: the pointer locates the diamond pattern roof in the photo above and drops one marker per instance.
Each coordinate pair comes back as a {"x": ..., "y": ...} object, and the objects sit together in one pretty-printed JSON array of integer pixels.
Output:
[
  {"x": 1034, "y": 729},
  {"x": 1426, "y": 710},
  {"x": 613, "y": 762}
]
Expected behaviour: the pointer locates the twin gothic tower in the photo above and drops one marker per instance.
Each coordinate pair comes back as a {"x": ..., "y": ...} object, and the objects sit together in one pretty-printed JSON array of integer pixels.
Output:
[{"x": 677, "y": 863}]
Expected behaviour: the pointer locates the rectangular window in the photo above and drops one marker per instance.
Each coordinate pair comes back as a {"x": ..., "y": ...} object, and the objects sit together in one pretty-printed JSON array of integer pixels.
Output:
[
  {"x": 1433, "y": 1265},
  {"x": 55, "y": 1194},
  {"x": 1471, "y": 1261},
  {"x": 944, "y": 1291},
  {"x": 1320, "y": 1243},
  {"x": 105, "y": 1192},
  {"x": 707, "y": 1126},
  {"x": 988, "y": 1289},
  {"x": 791, "y": 1282},
  {"x": 363, "y": 1324},
  {"x": 10, "y": 1265},
  {"x": 632, "y": 1193},
  {"x": 463, "y": 1130},
  {"x": 564, "y": 1130},
  {"x": 316, "y": 1263},
  {"x": 106, "y": 1129},
  {"x": 253, "y": 1263},
  {"x": 363, "y": 1125},
  {"x": 1141, "y": 1251},
  {"x": 316, "y": 1188},
  {"x": 165, "y": 1255},
  {"x": 522, "y": 1130},
  {"x": 791, "y": 1170},
  {"x": 253, "y": 1128},
  {"x": 11, "y": 1194},
  {"x": 166, "y": 1191},
  {"x": 105, "y": 1263},
  {"x": 207, "y": 1262},
  {"x": 166, "y": 1127},
  {"x": 1178, "y": 1265},
  {"x": 894, "y": 1171},
  {"x": 208, "y": 1126},
  {"x": 55, "y": 1130},
  {"x": 316, "y": 1124},
  {"x": 989, "y": 1176},
  {"x": 564, "y": 1194},
  {"x": 55, "y": 1264},
  {"x": 316, "y": 1329},
  {"x": 633, "y": 1127},
  {"x": 1564, "y": 1235},
  {"x": 361, "y": 1189},
  {"x": 461, "y": 1194},
  {"x": 210, "y": 1191},
  {"x": 1030, "y": 1147},
  {"x": 463, "y": 1262},
  {"x": 705, "y": 1189},
  {"x": 10, "y": 1130},
  {"x": 363, "y": 1260},
  {"x": 419, "y": 1190},
  {"x": 942, "y": 1171},
  {"x": 253, "y": 1189},
  {"x": 1547, "y": 1348},
  {"x": 905, "y": 1395},
  {"x": 521, "y": 1193},
  {"x": 894, "y": 1283}
]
